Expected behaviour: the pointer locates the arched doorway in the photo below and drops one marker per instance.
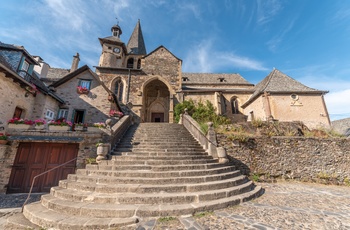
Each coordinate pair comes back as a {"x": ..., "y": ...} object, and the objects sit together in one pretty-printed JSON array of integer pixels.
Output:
[{"x": 156, "y": 102}]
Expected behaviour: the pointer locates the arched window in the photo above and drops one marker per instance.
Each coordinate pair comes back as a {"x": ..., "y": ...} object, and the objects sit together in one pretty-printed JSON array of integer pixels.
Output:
[
  {"x": 139, "y": 64},
  {"x": 130, "y": 63},
  {"x": 234, "y": 105},
  {"x": 118, "y": 90}
]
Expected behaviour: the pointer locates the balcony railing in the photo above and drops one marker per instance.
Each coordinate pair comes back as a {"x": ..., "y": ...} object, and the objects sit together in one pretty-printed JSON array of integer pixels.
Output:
[{"x": 27, "y": 76}]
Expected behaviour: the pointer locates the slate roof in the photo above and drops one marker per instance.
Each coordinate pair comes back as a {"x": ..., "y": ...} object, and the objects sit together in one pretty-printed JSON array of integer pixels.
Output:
[
  {"x": 57, "y": 73},
  {"x": 214, "y": 78},
  {"x": 19, "y": 48},
  {"x": 136, "y": 44},
  {"x": 278, "y": 82}
]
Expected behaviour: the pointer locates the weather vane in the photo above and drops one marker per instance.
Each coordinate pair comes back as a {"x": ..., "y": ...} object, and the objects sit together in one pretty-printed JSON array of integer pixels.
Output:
[{"x": 117, "y": 20}]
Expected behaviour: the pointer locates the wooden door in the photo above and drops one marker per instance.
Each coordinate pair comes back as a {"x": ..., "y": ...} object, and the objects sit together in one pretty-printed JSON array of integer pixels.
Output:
[{"x": 35, "y": 158}]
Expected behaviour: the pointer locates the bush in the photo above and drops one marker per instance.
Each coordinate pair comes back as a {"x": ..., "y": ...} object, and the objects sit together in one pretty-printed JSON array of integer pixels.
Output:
[{"x": 202, "y": 113}]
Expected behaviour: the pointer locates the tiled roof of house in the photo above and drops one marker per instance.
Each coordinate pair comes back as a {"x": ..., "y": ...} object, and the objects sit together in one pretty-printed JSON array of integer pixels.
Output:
[
  {"x": 214, "y": 78},
  {"x": 136, "y": 44},
  {"x": 278, "y": 82}
]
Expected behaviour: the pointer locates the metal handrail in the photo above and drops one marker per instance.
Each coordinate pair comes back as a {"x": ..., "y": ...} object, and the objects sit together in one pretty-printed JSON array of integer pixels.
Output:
[
  {"x": 31, "y": 187},
  {"x": 201, "y": 132}
]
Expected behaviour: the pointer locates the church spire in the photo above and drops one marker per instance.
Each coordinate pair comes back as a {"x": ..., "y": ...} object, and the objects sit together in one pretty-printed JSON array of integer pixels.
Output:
[{"x": 136, "y": 44}]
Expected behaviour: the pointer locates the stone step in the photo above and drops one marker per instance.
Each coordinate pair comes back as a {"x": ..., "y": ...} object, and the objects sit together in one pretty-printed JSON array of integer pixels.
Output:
[
  {"x": 136, "y": 194},
  {"x": 155, "y": 174},
  {"x": 158, "y": 153},
  {"x": 132, "y": 156},
  {"x": 154, "y": 167},
  {"x": 93, "y": 180},
  {"x": 161, "y": 149},
  {"x": 160, "y": 145},
  {"x": 47, "y": 218},
  {"x": 156, "y": 162},
  {"x": 76, "y": 210}
]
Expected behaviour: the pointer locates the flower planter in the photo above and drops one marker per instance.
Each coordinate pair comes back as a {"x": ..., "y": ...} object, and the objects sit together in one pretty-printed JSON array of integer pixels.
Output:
[
  {"x": 18, "y": 126},
  {"x": 79, "y": 128},
  {"x": 3, "y": 142},
  {"x": 94, "y": 129},
  {"x": 39, "y": 127},
  {"x": 59, "y": 128},
  {"x": 82, "y": 91}
]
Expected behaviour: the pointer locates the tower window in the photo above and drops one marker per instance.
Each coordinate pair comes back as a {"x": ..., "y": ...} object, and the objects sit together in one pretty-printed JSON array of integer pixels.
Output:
[
  {"x": 130, "y": 63},
  {"x": 139, "y": 64},
  {"x": 118, "y": 90}
]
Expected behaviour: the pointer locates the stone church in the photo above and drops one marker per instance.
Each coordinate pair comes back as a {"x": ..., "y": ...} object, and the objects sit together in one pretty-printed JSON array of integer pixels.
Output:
[
  {"x": 145, "y": 85},
  {"x": 151, "y": 84}
]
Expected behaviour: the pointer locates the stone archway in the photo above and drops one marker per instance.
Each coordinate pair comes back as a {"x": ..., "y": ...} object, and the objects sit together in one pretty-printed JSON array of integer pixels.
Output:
[{"x": 156, "y": 102}]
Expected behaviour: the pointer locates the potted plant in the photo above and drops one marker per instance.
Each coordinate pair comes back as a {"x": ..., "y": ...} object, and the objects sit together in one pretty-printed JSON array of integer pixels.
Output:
[
  {"x": 17, "y": 123},
  {"x": 60, "y": 125},
  {"x": 3, "y": 138},
  {"x": 39, "y": 123},
  {"x": 82, "y": 90},
  {"x": 96, "y": 127}
]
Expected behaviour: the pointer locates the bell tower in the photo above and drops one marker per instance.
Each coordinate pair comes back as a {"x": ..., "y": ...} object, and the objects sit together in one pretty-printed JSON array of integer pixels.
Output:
[{"x": 113, "y": 49}]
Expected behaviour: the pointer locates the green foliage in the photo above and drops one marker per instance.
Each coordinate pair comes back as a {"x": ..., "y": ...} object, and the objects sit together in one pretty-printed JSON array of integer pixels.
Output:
[
  {"x": 203, "y": 214},
  {"x": 255, "y": 177},
  {"x": 201, "y": 112},
  {"x": 241, "y": 137},
  {"x": 166, "y": 219},
  {"x": 257, "y": 123},
  {"x": 347, "y": 181},
  {"x": 90, "y": 160},
  {"x": 180, "y": 109}
]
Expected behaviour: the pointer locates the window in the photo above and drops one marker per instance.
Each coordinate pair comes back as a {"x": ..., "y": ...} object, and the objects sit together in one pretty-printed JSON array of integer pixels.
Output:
[
  {"x": 62, "y": 113},
  {"x": 139, "y": 64},
  {"x": 18, "y": 113},
  {"x": 118, "y": 90},
  {"x": 24, "y": 69},
  {"x": 294, "y": 97},
  {"x": 49, "y": 114},
  {"x": 130, "y": 64},
  {"x": 85, "y": 83},
  {"x": 78, "y": 116},
  {"x": 221, "y": 79},
  {"x": 185, "y": 79},
  {"x": 234, "y": 105}
]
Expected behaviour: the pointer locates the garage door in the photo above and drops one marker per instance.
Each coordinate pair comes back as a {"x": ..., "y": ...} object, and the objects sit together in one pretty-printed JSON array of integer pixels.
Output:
[{"x": 35, "y": 158}]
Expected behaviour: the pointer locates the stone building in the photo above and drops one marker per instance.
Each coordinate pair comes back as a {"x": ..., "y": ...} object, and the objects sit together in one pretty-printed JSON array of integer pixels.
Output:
[
  {"x": 128, "y": 79},
  {"x": 152, "y": 84}
]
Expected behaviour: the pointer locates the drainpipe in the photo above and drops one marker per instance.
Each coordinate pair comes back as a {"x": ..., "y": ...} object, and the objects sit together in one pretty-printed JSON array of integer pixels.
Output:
[{"x": 129, "y": 80}]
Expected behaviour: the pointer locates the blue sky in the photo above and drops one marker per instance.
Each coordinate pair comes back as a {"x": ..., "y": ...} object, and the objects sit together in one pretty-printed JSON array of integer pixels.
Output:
[{"x": 306, "y": 39}]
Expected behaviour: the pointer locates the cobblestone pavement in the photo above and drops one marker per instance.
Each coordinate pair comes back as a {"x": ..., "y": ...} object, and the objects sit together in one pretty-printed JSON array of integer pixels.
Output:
[{"x": 284, "y": 205}]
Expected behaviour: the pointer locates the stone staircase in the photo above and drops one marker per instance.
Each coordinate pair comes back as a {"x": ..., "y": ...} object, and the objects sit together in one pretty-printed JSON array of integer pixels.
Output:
[{"x": 158, "y": 169}]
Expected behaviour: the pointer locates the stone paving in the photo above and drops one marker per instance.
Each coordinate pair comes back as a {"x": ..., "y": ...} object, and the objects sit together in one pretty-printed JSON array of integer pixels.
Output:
[{"x": 284, "y": 205}]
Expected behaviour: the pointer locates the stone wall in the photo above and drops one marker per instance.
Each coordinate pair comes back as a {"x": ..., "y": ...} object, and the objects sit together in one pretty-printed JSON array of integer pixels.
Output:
[
  {"x": 304, "y": 159},
  {"x": 12, "y": 96}
]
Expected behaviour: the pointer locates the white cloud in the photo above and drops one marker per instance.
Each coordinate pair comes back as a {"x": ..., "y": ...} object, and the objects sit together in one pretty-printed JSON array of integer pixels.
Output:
[
  {"x": 338, "y": 104},
  {"x": 204, "y": 58},
  {"x": 276, "y": 40},
  {"x": 267, "y": 9}
]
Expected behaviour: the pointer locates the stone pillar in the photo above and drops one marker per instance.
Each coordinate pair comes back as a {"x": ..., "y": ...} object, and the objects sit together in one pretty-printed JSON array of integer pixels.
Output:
[{"x": 211, "y": 136}]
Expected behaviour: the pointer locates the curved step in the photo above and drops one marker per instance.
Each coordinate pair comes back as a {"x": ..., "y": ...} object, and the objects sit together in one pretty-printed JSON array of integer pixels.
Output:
[
  {"x": 136, "y": 196},
  {"x": 40, "y": 215},
  {"x": 157, "y": 162},
  {"x": 155, "y": 174},
  {"x": 91, "y": 180}
]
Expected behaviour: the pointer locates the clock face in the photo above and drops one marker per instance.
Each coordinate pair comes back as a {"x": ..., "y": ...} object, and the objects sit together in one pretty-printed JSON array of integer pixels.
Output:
[{"x": 116, "y": 50}]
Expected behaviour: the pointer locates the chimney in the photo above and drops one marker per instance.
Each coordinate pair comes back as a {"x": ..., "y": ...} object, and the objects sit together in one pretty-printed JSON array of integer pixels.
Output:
[{"x": 75, "y": 63}]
